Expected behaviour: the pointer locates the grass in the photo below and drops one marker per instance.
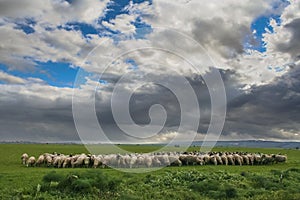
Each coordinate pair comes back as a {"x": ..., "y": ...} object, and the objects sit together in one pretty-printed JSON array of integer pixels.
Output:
[{"x": 16, "y": 179}]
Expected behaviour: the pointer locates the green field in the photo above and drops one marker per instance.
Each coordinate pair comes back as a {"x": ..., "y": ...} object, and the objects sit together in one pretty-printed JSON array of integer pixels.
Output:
[{"x": 188, "y": 182}]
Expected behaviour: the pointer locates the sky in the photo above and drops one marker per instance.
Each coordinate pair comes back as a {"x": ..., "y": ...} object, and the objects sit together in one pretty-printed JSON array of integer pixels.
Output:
[{"x": 149, "y": 70}]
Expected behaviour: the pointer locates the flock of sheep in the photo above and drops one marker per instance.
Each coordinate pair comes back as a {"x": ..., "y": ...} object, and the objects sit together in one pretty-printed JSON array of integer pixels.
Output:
[{"x": 151, "y": 159}]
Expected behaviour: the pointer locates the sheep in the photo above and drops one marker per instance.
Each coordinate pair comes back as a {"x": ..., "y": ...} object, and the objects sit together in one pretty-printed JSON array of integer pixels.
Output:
[
  {"x": 251, "y": 158},
  {"x": 111, "y": 160},
  {"x": 155, "y": 161},
  {"x": 87, "y": 161},
  {"x": 224, "y": 159},
  {"x": 67, "y": 162},
  {"x": 245, "y": 159},
  {"x": 279, "y": 158},
  {"x": 190, "y": 160},
  {"x": 205, "y": 158},
  {"x": 257, "y": 159},
  {"x": 127, "y": 160},
  {"x": 96, "y": 160},
  {"x": 139, "y": 161},
  {"x": 24, "y": 158},
  {"x": 148, "y": 161},
  {"x": 183, "y": 159},
  {"x": 121, "y": 161},
  {"x": 231, "y": 159},
  {"x": 132, "y": 161},
  {"x": 238, "y": 159},
  {"x": 219, "y": 159},
  {"x": 56, "y": 161},
  {"x": 164, "y": 160},
  {"x": 31, "y": 161},
  {"x": 174, "y": 161},
  {"x": 40, "y": 160},
  {"x": 213, "y": 160},
  {"x": 77, "y": 160},
  {"x": 48, "y": 160},
  {"x": 61, "y": 160},
  {"x": 267, "y": 159}
]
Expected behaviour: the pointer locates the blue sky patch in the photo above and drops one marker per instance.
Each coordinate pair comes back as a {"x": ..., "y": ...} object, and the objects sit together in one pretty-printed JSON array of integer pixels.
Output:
[
  {"x": 261, "y": 25},
  {"x": 103, "y": 82},
  {"x": 57, "y": 74},
  {"x": 26, "y": 25},
  {"x": 142, "y": 29},
  {"x": 116, "y": 8},
  {"x": 132, "y": 64},
  {"x": 84, "y": 28}
]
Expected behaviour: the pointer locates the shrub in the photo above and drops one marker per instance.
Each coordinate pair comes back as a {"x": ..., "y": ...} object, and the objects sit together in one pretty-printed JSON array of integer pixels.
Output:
[
  {"x": 129, "y": 197},
  {"x": 267, "y": 183},
  {"x": 81, "y": 186},
  {"x": 88, "y": 183},
  {"x": 52, "y": 177},
  {"x": 230, "y": 192},
  {"x": 205, "y": 186},
  {"x": 243, "y": 173}
]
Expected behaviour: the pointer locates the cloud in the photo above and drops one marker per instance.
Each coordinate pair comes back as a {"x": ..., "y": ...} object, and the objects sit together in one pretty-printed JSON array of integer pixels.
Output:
[
  {"x": 122, "y": 23},
  {"x": 7, "y": 78},
  {"x": 261, "y": 87},
  {"x": 54, "y": 12},
  {"x": 269, "y": 111},
  {"x": 292, "y": 46}
]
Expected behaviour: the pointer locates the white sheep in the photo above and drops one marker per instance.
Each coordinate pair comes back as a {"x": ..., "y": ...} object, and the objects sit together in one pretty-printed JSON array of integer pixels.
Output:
[
  {"x": 213, "y": 160},
  {"x": 155, "y": 161},
  {"x": 24, "y": 158},
  {"x": 224, "y": 159},
  {"x": 257, "y": 159},
  {"x": 97, "y": 161},
  {"x": 174, "y": 160},
  {"x": 280, "y": 158},
  {"x": 40, "y": 160},
  {"x": 251, "y": 158},
  {"x": 148, "y": 161},
  {"x": 31, "y": 161},
  {"x": 231, "y": 159},
  {"x": 245, "y": 159},
  {"x": 238, "y": 159},
  {"x": 219, "y": 159},
  {"x": 48, "y": 160},
  {"x": 67, "y": 162},
  {"x": 87, "y": 161},
  {"x": 133, "y": 161}
]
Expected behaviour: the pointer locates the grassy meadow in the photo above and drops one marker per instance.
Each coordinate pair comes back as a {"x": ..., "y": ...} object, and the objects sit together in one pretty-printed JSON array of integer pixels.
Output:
[{"x": 187, "y": 182}]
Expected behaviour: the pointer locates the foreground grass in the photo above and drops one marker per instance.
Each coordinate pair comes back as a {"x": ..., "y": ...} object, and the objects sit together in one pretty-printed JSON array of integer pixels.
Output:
[{"x": 17, "y": 181}]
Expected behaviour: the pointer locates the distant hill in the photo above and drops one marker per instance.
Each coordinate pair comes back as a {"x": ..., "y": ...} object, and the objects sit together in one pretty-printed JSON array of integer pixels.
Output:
[
  {"x": 254, "y": 143},
  {"x": 238, "y": 143}
]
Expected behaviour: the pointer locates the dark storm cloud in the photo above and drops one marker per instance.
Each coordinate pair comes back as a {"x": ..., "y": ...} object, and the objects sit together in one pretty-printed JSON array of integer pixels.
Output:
[
  {"x": 267, "y": 108},
  {"x": 293, "y": 44},
  {"x": 229, "y": 37},
  {"x": 34, "y": 119},
  {"x": 261, "y": 113},
  {"x": 7, "y": 7},
  {"x": 141, "y": 102}
]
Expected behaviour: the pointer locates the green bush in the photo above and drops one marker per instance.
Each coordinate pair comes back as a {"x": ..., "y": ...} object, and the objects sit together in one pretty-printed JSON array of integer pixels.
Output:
[
  {"x": 185, "y": 184},
  {"x": 230, "y": 191},
  {"x": 268, "y": 183},
  {"x": 206, "y": 186},
  {"x": 90, "y": 183},
  {"x": 81, "y": 186},
  {"x": 52, "y": 177}
]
